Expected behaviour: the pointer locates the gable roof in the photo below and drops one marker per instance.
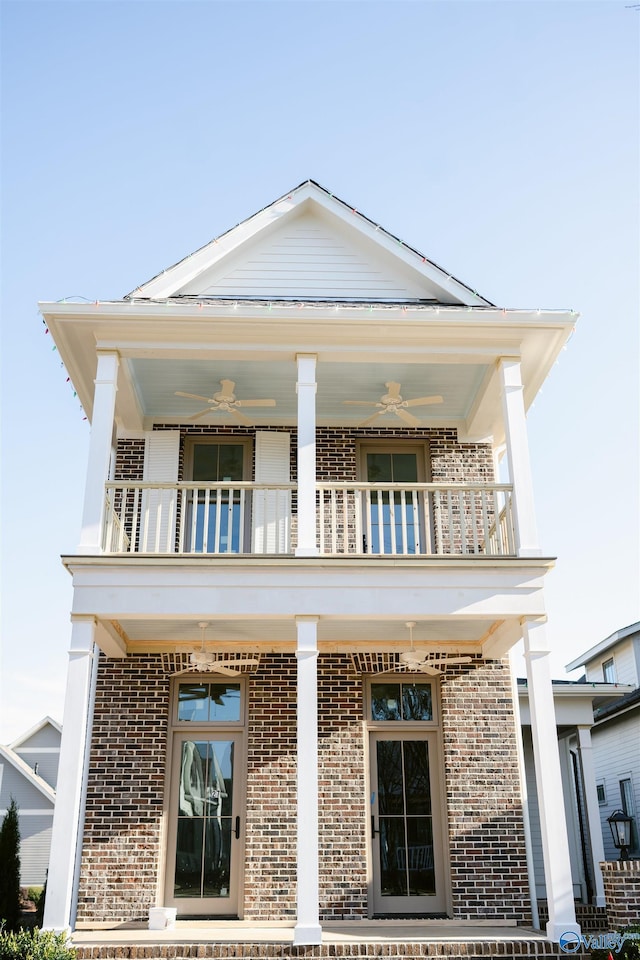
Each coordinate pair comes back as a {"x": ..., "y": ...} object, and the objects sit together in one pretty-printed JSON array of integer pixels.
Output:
[
  {"x": 25, "y": 770},
  {"x": 24, "y": 737},
  {"x": 596, "y": 651},
  {"x": 218, "y": 268}
]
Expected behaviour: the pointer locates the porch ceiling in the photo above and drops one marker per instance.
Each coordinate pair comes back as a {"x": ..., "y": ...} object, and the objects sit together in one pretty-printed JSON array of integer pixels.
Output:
[
  {"x": 279, "y": 635},
  {"x": 157, "y": 381}
]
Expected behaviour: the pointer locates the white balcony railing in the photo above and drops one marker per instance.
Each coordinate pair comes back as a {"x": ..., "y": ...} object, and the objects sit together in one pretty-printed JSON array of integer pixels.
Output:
[{"x": 420, "y": 519}]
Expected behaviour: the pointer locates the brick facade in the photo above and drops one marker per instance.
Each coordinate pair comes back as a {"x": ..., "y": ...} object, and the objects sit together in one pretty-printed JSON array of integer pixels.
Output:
[
  {"x": 621, "y": 880},
  {"x": 486, "y": 832},
  {"x": 123, "y": 844}
]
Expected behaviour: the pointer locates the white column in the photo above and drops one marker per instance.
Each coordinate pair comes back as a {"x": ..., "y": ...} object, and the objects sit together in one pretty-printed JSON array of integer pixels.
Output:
[
  {"x": 596, "y": 845},
  {"x": 307, "y": 929},
  {"x": 515, "y": 428},
  {"x": 306, "y": 389},
  {"x": 555, "y": 844},
  {"x": 100, "y": 445},
  {"x": 76, "y": 723}
]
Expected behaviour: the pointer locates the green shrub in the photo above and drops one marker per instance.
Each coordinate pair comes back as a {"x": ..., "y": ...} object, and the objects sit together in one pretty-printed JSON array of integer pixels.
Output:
[
  {"x": 10, "y": 868},
  {"x": 34, "y": 945}
]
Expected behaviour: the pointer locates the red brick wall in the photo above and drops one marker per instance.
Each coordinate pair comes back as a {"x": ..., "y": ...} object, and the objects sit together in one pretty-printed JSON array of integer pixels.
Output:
[
  {"x": 621, "y": 881},
  {"x": 125, "y": 790},
  {"x": 122, "y": 848},
  {"x": 486, "y": 832}
]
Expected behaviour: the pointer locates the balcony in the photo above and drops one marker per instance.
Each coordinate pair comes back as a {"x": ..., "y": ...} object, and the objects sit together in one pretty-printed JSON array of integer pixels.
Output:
[{"x": 352, "y": 519}]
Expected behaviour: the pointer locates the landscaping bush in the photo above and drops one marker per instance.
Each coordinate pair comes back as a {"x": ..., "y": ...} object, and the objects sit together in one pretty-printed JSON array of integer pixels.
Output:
[
  {"x": 34, "y": 945},
  {"x": 10, "y": 908}
]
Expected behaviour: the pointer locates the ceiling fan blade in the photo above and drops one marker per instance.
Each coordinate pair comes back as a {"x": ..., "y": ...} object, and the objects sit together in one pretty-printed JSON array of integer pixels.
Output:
[
  {"x": 241, "y": 417},
  {"x": 407, "y": 417},
  {"x": 196, "y": 416},
  {"x": 429, "y": 670},
  {"x": 393, "y": 388},
  {"x": 423, "y": 401},
  {"x": 255, "y": 403},
  {"x": 248, "y": 662},
  {"x": 226, "y": 671},
  {"x": 362, "y": 403},
  {"x": 194, "y": 396},
  {"x": 365, "y": 423}
]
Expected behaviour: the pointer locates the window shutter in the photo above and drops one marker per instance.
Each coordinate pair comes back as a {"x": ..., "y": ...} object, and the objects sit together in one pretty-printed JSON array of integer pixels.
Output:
[
  {"x": 272, "y": 508},
  {"x": 158, "y": 517}
]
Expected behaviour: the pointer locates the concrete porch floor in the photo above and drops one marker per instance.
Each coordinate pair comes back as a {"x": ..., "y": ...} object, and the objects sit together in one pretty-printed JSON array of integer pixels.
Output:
[{"x": 241, "y": 940}]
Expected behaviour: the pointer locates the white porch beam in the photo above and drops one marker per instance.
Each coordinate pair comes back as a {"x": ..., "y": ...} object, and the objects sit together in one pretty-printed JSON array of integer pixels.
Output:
[
  {"x": 596, "y": 845},
  {"x": 306, "y": 388},
  {"x": 515, "y": 428},
  {"x": 307, "y": 929},
  {"x": 66, "y": 838},
  {"x": 102, "y": 429},
  {"x": 555, "y": 844}
]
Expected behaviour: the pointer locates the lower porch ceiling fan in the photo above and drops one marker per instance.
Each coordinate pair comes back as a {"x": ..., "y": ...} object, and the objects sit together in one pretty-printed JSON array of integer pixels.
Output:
[
  {"x": 392, "y": 402},
  {"x": 431, "y": 662},
  {"x": 225, "y": 401},
  {"x": 204, "y": 660}
]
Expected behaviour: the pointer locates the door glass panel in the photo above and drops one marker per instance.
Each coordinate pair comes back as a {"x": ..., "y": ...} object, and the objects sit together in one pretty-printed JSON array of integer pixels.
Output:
[
  {"x": 392, "y": 514},
  {"x": 217, "y": 526},
  {"x": 203, "y": 848},
  {"x": 406, "y": 862}
]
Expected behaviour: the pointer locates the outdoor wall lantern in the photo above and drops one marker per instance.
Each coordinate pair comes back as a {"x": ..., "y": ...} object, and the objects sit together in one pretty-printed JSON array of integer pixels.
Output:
[{"x": 620, "y": 824}]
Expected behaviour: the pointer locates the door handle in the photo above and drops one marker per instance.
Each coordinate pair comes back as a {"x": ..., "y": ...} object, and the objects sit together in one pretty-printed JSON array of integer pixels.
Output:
[
  {"x": 373, "y": 827},
  {"x": 237, "y": 829}
]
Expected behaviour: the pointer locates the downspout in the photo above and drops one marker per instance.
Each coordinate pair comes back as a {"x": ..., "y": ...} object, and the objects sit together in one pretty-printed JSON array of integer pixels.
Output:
[
  {"x": 535, "y": 916},
  {"x": 85, "y": 781}
]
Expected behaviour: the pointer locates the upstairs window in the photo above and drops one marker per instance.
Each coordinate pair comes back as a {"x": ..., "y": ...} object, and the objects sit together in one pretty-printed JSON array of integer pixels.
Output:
[{"x": 609, "y": 671}]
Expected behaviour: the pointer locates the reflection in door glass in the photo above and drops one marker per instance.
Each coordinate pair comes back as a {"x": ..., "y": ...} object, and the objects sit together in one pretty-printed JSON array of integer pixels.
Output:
[
  {"x": 405, "y": 821},
  {"x": 203, "y": 848},
  {"x": 406, "y": 701}
]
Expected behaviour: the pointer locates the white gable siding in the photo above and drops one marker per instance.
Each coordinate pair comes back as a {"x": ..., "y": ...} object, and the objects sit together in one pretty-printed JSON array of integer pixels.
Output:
[
  {"x": 624, "y": 660},
  {"x": 26, "y": 795},
  {"x": 35, "y": 843},
  {"x": 616, "y": 755},
  {"x": 308, "y": 258},
  {"x": 46, "y": 736},
  {"x": 47, "y": 763}
]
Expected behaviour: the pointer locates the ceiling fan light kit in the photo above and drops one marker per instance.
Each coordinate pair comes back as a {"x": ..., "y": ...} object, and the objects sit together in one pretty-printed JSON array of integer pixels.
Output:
[
  {"x": 392, "y": 402},
  {"x": 225, "y": 401}
]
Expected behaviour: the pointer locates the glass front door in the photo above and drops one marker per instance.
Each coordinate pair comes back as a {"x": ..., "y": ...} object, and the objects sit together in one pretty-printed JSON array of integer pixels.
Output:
[
  {"x": 393, "y": 516},
  {"x": 215, "y": 517},
  {"x": 204, "y": 852},
  {"x": 405, "y": 825}
]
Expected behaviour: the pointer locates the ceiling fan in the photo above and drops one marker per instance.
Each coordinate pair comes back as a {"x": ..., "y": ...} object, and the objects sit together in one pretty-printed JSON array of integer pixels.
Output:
[
  {"x": 204, "y": 660},
  {"x": 431, "y": 662},
  {"x": 225, "y": 401},
  {"x": 392, "y": 402}
]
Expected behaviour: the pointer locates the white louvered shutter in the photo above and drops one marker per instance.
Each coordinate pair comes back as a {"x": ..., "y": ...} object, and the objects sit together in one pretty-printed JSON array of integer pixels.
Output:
[
  {"x": 159, "y": 507},
  {"x": 272, "y": 508}
]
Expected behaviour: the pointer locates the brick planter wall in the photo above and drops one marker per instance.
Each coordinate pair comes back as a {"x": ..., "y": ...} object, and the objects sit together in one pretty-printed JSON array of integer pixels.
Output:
[
  {"x": 486, "y": 832},
  {"x": 622, "y": 892}
]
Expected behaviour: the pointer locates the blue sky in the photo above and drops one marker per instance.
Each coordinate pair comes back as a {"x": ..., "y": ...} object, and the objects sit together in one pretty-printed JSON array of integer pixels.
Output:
[{"x": 501, "y": 139}]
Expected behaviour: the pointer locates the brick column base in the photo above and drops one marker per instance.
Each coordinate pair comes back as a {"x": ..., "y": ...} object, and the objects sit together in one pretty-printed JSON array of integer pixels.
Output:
[{"x": 622, "y": 891}]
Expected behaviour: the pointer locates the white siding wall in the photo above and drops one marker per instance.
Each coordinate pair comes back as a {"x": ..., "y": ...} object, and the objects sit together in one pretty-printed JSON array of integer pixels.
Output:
[
  {"x": 47, "y": 763},
  {"x": 308, "y": 258},
  {"x": 625, "y": 664},
  {"x": 35, "y": 843},
  {"x": 616, "y": 755}
]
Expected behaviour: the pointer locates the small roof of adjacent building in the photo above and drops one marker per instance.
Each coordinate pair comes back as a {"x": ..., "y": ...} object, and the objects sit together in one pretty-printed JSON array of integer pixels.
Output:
[{"x": 596, "y": 651}]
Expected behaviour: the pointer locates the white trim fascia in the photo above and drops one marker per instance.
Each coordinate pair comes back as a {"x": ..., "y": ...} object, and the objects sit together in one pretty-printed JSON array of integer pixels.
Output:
[
  {"x": 28, "y": 773},
  {"x": 177, "y": 276},
  {"x": 35, "y": 729},
  {"x": 48, "y": 812},
  {"x": 603, "y": 646},
  {"x": 587, "y": 690}
]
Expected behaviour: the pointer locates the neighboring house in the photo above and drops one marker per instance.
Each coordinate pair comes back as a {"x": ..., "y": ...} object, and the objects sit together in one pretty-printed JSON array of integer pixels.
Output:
[
  {"x": 28, "y": 774},
  {"x": 298, "y": 580},
  {"x": 616, "y": 731},
  {"x": 574, "y": 707}
]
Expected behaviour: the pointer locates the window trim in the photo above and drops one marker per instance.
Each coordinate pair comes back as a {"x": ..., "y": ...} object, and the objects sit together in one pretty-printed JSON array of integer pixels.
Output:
[
  {"x": 202, "y": 725},
  {"x": 606, "y": 664}
]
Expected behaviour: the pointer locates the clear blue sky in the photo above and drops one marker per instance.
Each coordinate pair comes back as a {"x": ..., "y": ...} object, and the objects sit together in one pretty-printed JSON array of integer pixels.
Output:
[{"x": 501, "y": 139}]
